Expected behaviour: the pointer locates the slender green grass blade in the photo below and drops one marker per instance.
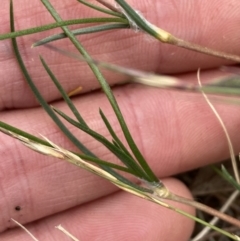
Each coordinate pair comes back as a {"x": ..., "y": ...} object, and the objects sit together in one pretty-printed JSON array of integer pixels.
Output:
[
  {"x": 39, "y": 97},
  {"x": 82, "y": 31},
  {"x": 6, "y": 128},
  {"x": 227, "y": 176},
  {"x": 151, "y": 177},
  {"x": 60, "y": 24},
  {"x": 113, "y": 134},
  {"x": 115, "y": 144},
  {"x": 19, "y": 132},
  {"x": 101, "y": 162},
  {"x": 79, "y": 118},
  {"x": 130, "y": 163},
  {"x": 51, "y": 112},
  {"x": 64, "y": 94},
  {"x": 71, "y": 106},
  {"x": 204, "y": 223}
]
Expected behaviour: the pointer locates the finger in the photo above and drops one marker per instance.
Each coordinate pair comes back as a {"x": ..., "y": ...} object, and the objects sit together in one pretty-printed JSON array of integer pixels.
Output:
[
  {"x": 120, "y": 216},
  {"x": 200, "y": 23},
  {"x": 175, "y": 132}
]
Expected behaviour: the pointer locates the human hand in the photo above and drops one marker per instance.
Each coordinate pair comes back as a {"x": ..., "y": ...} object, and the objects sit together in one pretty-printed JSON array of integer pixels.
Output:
[{"x": 174, "y": 130}]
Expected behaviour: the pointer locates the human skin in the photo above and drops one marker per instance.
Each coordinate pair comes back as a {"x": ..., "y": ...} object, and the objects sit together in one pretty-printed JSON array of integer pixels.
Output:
[{"x": 175, "y": 131}]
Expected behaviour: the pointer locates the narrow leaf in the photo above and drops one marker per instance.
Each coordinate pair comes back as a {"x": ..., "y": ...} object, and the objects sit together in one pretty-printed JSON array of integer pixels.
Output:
[
  {"x": 113, "y": 134},
  {"x": 39, "y": 97},
  {"x": 42, "y": 28},
  {"x": 150, "y": 175},
  {"x": 64, "y": 94},
  {"x": 128, "y": 161},
  {"x": 227, "y": 176},
  {"x": 81, "y": 31}
]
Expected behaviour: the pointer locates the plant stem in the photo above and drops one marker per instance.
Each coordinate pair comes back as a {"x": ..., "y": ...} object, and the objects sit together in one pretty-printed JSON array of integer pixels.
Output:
[
  {"x": 166, "y": 37},
  {"x": 204, "y": 208}
]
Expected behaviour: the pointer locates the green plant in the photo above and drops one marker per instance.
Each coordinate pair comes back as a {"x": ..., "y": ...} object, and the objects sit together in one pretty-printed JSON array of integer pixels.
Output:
[{"x": 132, "y": 160}]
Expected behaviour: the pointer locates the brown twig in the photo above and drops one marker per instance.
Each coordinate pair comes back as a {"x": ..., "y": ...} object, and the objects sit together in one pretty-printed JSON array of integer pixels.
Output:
[{"x": 198, "y": 48}]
